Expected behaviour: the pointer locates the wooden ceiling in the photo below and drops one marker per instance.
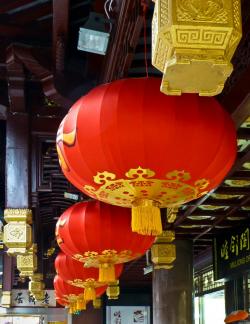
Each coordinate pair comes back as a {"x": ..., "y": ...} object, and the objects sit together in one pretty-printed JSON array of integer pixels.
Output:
[{"x": 40, "y": 68}]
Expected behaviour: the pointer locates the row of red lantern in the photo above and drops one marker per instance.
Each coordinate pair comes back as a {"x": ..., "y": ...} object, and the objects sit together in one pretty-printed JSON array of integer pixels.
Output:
[
  {"x": 99, "y": 236},
  {"x": 127, "y": 144}
]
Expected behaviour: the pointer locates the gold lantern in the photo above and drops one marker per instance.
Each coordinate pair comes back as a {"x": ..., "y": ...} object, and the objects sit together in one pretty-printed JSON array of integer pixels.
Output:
[
  {"x": 36, "y": 286},
  {"x": 18, "y": 232},
  {"x": 193, "y": 42},
  {"x": 163, "y": 251},
  {"x": 113, "y": 290},
  {"x": 27, "y": 263},
  {"x": 6, "y": 299}
]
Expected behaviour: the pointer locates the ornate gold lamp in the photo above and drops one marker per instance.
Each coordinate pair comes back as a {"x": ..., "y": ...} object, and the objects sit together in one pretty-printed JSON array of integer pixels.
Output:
[
  {"x": 193, "y": 42},
  {"x": 163, "y": 251},
  {"x": 27, "y": 263},
  {"x": 18, "y": 232}
]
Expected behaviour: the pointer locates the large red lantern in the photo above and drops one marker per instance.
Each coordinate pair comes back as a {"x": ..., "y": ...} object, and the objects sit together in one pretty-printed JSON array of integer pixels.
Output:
[
  {"x": 75, "y": 274},
  {"x": 99, "y": 235},
  {"x": 127, "y": 144}
]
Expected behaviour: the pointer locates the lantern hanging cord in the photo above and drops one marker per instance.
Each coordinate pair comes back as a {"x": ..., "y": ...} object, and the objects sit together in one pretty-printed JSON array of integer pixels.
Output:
[
  {"x": 145, "y": 8},
  {"x": 108, "y": 7}
]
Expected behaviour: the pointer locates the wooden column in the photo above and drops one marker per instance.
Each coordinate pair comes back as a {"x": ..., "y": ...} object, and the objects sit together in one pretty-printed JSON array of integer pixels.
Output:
[
  {"x": 173, "y": 289},
  {"x": 17, "y": 190},
  {"x": 17, "y": 182},
  {"x": 234, "y": 295}
]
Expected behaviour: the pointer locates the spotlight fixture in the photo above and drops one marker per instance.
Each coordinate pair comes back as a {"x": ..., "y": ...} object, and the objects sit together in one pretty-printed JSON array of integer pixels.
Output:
[{"x": 93, "y": 36}]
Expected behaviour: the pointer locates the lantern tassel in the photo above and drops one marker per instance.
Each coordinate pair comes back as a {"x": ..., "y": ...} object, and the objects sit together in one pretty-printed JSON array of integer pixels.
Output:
[
  {"x": 106, "y": 272},
  {"x": 81, "y": 304},
  {"x": 146, "y": 217},
  {"x": 89, "y": 293},
  {"x": 72, "y": 308}
]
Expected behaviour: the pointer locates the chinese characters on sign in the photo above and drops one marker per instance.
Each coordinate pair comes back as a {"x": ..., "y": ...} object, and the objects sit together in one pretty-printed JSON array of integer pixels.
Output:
[
  {"x": 128, "y": 314},
  {"x": 22, "y": 298},
  {"x": 231, "y": 252}
]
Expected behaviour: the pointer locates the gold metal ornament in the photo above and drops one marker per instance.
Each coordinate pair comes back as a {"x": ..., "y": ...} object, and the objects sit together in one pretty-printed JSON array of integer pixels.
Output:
[
  {"x": 113, "y": 290},
  {"x": 37, "y": 286},
  {"x": 18, "y": 232},
  {"x": 172, "y": 214},
  {"x": 27, "y": 263},
  {"x": 163, "y": 251},
  {"x": 193, "y": 43},
  {"x": 97, "y": 303}
]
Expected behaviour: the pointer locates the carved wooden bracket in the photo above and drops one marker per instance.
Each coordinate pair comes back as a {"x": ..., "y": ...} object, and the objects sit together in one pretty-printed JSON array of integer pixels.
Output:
[{"x": 19, "y": 57}]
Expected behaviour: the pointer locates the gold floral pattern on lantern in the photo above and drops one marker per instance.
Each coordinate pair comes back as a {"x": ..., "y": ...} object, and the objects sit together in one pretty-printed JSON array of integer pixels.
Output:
[
  {"x": 94, "y": 259},
  {"x": 141, "y": 184},
  {"x": 88, "y": 283}
]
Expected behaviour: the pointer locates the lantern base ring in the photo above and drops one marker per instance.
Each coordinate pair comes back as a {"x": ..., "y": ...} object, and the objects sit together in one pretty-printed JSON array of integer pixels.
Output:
[{"x": 146, "y": 217}]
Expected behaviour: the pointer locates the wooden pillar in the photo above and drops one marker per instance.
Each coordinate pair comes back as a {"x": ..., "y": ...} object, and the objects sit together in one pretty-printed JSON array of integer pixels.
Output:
[
  {"x": 17, "y": 182},
  {"x": 234, "y": 295},
  {"x": 173, "y": 289}
]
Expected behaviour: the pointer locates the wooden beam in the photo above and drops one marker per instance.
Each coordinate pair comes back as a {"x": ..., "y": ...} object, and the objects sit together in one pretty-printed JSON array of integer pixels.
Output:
[
  {"x": 241, "y": 113},
  {"x": 9, "y": 5},
  {"x": 30, "y": 15},
  {"x": 222, "y": 217},
  {"x": 60, "y": 32},
  {"x": 14, "y": 31},
  {"x": 122, "y": 45}
]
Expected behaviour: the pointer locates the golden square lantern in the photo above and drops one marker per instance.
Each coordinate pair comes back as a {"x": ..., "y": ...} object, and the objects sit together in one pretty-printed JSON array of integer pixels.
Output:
[
  {"x": 193, "y": 43},
  {"x": 18, "y": 232},
  {"x": 37, "y": 286},
  {"x": 163, "y": 251},
  {"x": 27, "y": 263},
  {"x": 113, "y": 290}
]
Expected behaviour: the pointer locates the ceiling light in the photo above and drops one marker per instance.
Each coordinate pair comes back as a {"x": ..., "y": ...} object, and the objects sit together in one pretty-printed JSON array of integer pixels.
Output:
[{"x": 93, "y": 36}]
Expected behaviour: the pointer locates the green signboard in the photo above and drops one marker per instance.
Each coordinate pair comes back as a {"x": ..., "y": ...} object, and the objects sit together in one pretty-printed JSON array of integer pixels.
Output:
[{"x": 231, "y": 253}]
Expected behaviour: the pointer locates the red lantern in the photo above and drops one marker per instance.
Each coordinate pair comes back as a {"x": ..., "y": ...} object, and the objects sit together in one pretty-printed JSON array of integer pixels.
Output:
[
  {"x": 127, "y": 144},
  {"x": 74, "y": 296},
  {"x": 60, "y": 300},
  {"x": 99, "y": 235},
  {"x": 236, "y": 316},
  {"x": 73, "y": 272}
]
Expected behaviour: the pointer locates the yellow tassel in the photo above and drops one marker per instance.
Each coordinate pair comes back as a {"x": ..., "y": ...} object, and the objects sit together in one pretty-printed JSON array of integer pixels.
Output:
[
  {"x": 72, "y": 308},
  {"x": 80, "y": 304},
  {"x": 146, "y": 217},
  {"x": 106, "y": 272},
  {"x": 89, "y": 293}
]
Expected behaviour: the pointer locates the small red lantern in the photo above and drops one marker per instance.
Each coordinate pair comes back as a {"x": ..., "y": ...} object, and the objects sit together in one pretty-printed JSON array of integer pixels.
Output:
[
  {"x": 239, "y": 315},
  {"x": 127, "y": 144},
  {"x": 73, "y": 272},
  {"x": 60, "y": 300},
  {"x": 99, "y": 235},
  {"x": 74, "y": 296}
]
